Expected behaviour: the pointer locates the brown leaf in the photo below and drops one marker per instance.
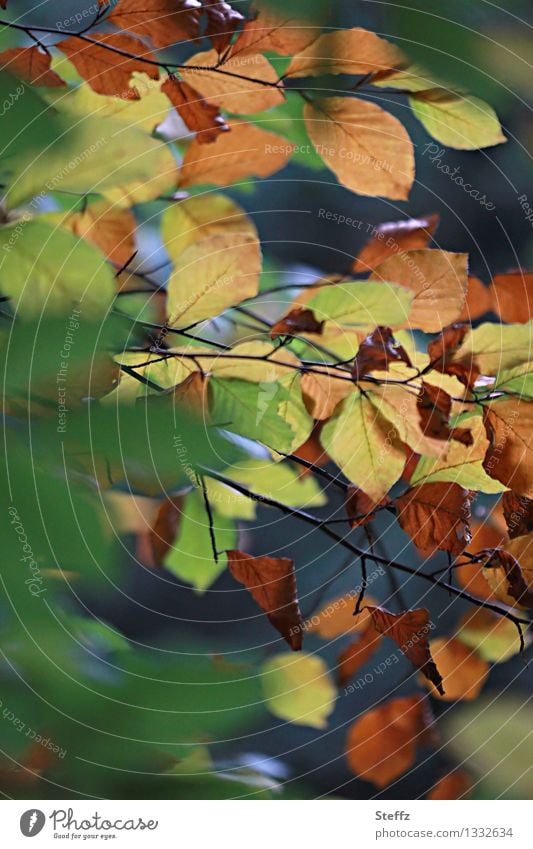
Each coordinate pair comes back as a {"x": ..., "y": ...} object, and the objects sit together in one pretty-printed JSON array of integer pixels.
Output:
[
  {"x": 166, "y": 527},
  {"x": 377, "y": 351},
  {"x": 201, "y": 117},
  {"x": 105, "y": 71},
  {"x": 312, "y": 451},
  {"x": 367, "y": 149},
  {"x": 478, "y": 300},
  {"x": 247, "y": 151},
  {"x": 165, "y": 22},
  {"x": 518, "y": 512},
  {"x": 512, "y": 296},
  {"x": 505, "y": 578},
  {"x": 443, "y": 349},
  {"x": 382, "y": 744},
  {"x": 297, "y": 321},
  {"x": 454, "y": 785},
  {"x": 30, "y": 64},
  {"x": 392, "y": 237},
  {"x": 337, "y": 618},
  {"x": 509, "y": 459},
  {"x": 222, "y": 21},
  {"x": 360, "y": 508},
  {"x": 356, "y": 655},
  {"x": 191, "y": 395},
  {"x": 272, "y": 584},
  {"x": 273, "y": 32},
  {"x": 436, "y": 516},
  {"x": 240, "y": 84},
  {"x": 410, "y": 631},
  {"x": 463, "y": 671},
  {"x": 434, "y": 407}
]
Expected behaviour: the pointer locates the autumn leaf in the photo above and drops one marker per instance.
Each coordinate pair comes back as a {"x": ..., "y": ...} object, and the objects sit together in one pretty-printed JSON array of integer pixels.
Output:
[
  {"x": 495, "y": 348},
  {"x": 409, "y": 630},
  {"x": 438, "y": 279},
  {"x": 199, "y": 116},
  {"x": 493, "y": 636},
  {"x": 108, "y": 72},
  {"x": 273, "y": 32},
  {"x": 512, "y": 296},
  {"x": 478, "y": 300},
  {"x": 271, "y": 582},
  {"x": 299, "y": 689},
  {"x": 367, "y": 149},
  {"x": 297, "y": 321},
  {"x": 444, "y": 356},
  {"x": 394, "y": 237},
  {"x": 345, "y": 51},
  {"x": 434, "y": 408},
  {"x": 242, "y": 85},
  {"x": 356, "y": 654},
  {"x": 247, "y": 151},
  {"x": 198, "y": 217},
  {"x": 509, "y": 458},
  {"x": 436, "y": 516},
  {"x": 32, "y": 65},
  {"x": 361, "y": 509},
  {"x": 165, "y": 527},
  {"x": 518, "y": 512},
  {"x": 381, "y": 745},
  {"x": 222, "y": 22},
  {"x": 164, "y": 22},
  {"x": 454, "y": 785},
  {"x": 322, "y": 391},
  {"x": 505, "y": 577},
  {"x": 458, "y": 121},
  {"x": 377, "y": 351},
  {"x": 463, "y": 671},
  {"x": 109, "y": 227}
]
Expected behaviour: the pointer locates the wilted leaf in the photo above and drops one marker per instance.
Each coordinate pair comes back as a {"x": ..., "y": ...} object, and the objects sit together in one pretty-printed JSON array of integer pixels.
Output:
[
  {"x": 201, "y": 117},
  {"x": 434, "y": 408},
  {"x": 361, "y": 509},
  {"x": 518, "y": 512},
  {"x": 461, "y": 122},
  {"x": 409, "y": 630},
  {"x": 382, "y": 744},
  {"x": 108, "y": 72},
  {"x": 30, "y": 64},
  {"x": 164, "y": 22},
  {"x": 509, "y": 458},
  {"x": 297, "y": 321},
  {"x": 436, "y": 516},
  {"x": 377, "y": 351},
  {"x": 345, "y": 51},
  {"x": 242, "y": 85},
  {"x": 298, "y": 688},
  {"x": 463, "y": 671},
  {"x": 246, "y": 151},
  {"x": 271, "y": 582},
  {"x": 394, "y": 237},
  {"x": 438, "y": 279},
  {"x": 505, "y": 577},
  {"x": 367, "y": 149}
]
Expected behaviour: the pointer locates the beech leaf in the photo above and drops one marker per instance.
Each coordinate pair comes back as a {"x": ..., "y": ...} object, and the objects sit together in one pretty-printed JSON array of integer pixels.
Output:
[
  {"x": 201, "y": 117},
  {"x": 436, "y": 516}
]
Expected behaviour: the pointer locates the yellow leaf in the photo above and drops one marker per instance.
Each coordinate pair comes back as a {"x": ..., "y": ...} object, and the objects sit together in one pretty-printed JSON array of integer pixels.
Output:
[
  {"x": 197, "y": 217},
  {"x": 494, "y": 637},
  {"x": 367, "y": 149},
  {"x": 299, "y": 688},
  {"x": 246, "y": 151},
  {"x": 346, "y": 51},
  {"x": 496, "y": 347},
  {"x": 399, "y": 406},
  {"x": 109, "y": 228},
  {"x": 439, "y": 280},
  {"x": 364, "y": 445},
  {"x": 461, "y": 122},
  {"x": 211, "y": 275},
  {"x": 225, "y": 84},
  {"x": 322, "y": 392}
]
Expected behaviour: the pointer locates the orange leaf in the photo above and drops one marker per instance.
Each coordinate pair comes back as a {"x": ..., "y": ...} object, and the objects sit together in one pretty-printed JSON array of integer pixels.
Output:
[
  {"x": 199, "y": 116},
  {"x": 381, "y": 744},
  {"x": 165, "y": 22},
  {"x": 377, "y": 351},
  {"x": 322, "y": 391},
  {"x": 360, "y": 508},
  {"x": 110, "y": 228},
  {"x": 345, "y": 51},
  {"x": 512, "y": 296},
  {"x": 509, "y": 458},
  {"x": 463, "y": 671},
  {"x": 505, "y": 577},
  {"x": 518, "y": 512},
  {"x": 222, "y": 21},
  {"x": 434, "y": 408},
  {"x": 337, "y": 618},
  {"x": 455, "y": 785},
  {"x": 248, "y": 151},
  {"x": 356, "y": 655},
  {"x": 31, "y": 64},
  {"x": 272, "y": 584},
  {"x": 478, "y": 300},
  {"x": 166, "y": 527},
  {"x": 367, "y": 149},
  {"x": 242, "y": 85},
  {"x": 395, "y": 236},
  {"x": 436, "y": 516},
  {"x": 410, "y": 631},
  {"x": 312, "y": 451},
  {"x": 105, "y": 71},
  {"x": 297, "y": 321},
  {"x": 274, "y": 33}
]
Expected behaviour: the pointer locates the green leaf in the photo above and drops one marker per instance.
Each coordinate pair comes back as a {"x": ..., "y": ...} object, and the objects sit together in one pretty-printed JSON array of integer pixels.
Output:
[
  {"x": 251, "y": 410},
  {"x": 461, "y": 122},
  {"x": 497, "y": 347},
  {"x": 361, "y": 303},
  {"x": 517, "y": 380},
  {"x": 299, "y": 688},
  {"x": 191, "y": 557}
]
